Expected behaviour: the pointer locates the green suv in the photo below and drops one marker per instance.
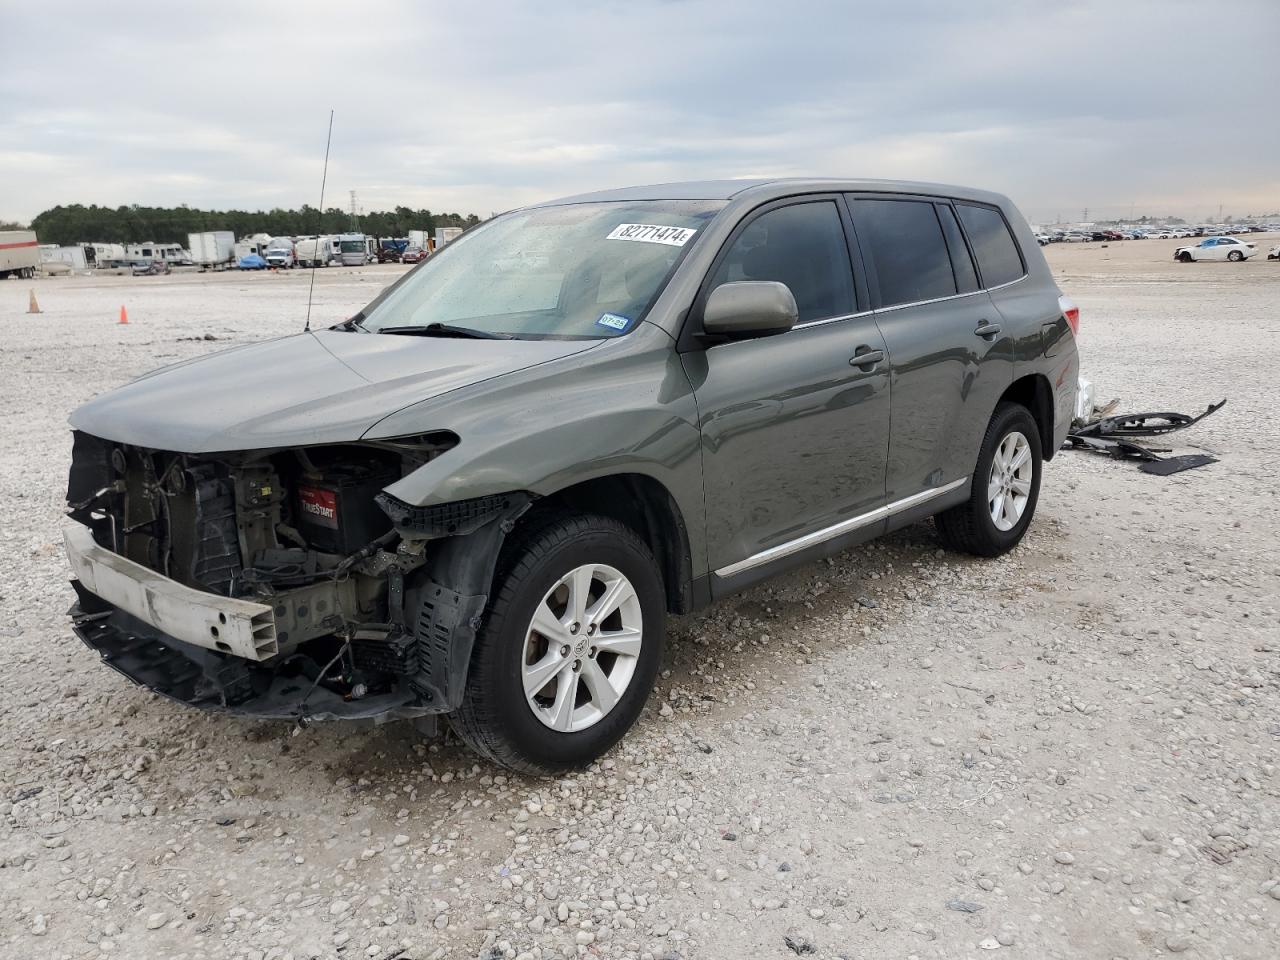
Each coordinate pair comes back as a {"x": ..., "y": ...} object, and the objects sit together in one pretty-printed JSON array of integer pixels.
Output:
[{"x": 480, "y": 496}]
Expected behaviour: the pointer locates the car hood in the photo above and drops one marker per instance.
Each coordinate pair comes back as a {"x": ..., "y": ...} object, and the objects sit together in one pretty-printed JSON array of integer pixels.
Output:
[{"x": 323, "y": 386}]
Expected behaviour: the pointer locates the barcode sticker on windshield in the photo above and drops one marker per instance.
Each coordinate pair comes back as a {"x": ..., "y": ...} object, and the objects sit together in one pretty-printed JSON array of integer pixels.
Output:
[{"x": 652, "y": 233}]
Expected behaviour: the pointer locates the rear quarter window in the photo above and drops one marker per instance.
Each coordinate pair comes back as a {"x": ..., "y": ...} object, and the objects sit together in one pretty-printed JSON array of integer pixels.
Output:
[{"x": 997, "y": 252}]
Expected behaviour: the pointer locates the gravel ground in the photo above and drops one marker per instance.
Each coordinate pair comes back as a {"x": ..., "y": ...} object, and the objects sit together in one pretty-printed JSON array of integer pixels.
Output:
[{"x": 1068, "y": 752}]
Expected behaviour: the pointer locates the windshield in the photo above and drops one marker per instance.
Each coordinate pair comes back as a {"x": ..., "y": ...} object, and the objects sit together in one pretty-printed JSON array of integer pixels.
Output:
[
  {"x": 578, "y": 271},
  {"x": 351, "y": 246}
]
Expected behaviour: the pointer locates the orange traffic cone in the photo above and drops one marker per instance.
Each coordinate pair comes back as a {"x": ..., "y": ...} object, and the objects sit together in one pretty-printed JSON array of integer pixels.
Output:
[
  {"x": 33, "y": 306},
  {"x": 124, "y": 315}
]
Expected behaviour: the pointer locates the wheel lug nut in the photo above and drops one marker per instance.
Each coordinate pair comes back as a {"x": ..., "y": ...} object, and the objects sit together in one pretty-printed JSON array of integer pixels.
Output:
[
  {"x": 574, "y": 627},
  {"x": 564, "y": 651}
]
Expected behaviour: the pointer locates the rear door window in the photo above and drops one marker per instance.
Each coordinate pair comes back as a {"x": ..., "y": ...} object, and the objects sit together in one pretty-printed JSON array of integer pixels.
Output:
[
  {"x": 803, "y": 246},
  {"x": 904, "y": 245},
  {"x": 997, "y": 252}
]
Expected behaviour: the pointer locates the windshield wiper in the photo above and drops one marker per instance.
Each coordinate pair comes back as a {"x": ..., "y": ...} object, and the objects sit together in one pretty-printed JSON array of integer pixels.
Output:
[
  {"x": 352, "y": 323},
  {"x": 446, "y": 330}
]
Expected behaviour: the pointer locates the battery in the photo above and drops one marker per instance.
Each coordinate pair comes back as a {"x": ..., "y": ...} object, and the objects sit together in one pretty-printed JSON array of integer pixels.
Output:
[{"x": 337, "y": 513}]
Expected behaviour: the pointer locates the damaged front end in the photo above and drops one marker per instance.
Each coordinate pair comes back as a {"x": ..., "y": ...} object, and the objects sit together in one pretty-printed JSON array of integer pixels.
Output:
[{"x": 280, "y": 583}]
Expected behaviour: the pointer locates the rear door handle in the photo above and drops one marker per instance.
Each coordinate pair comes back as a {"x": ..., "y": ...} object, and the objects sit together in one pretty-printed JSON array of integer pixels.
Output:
[
  {"x": 865, "y": 359},
  {"x": 987, "y": 329}
]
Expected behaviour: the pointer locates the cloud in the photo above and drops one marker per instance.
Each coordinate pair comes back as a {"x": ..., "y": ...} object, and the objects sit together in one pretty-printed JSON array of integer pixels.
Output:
[{"x": 1163, "y": 105}]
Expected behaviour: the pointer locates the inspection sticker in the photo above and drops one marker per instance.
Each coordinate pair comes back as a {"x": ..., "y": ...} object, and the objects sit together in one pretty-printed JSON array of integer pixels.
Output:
[
  {"x": 613, "y": 321},
  {"x": 652, "y": 233}
]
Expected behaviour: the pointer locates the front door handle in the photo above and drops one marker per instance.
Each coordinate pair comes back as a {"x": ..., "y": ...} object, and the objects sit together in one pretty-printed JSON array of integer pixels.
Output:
[
  {"x": 987, "y": 330},
  {"x": 865, "y": 359}
]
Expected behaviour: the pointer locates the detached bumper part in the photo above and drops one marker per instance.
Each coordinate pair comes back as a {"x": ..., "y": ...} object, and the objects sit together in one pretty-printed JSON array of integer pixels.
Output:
[{"x": 225, "y": 624}]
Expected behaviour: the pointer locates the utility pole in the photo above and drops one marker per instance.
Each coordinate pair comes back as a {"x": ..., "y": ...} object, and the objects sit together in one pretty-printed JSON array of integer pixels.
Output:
[{"x": 1084, "y": 217}]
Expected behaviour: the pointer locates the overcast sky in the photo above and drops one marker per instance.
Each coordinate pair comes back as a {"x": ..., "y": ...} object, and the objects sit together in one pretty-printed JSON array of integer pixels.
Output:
[{"x": 474, "y": 107}]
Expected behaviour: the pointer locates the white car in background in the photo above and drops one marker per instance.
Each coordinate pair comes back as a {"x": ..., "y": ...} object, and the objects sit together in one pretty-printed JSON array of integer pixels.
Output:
[
  {"x": 1274, "y": 252},
  {"x": 1161, "y": 235},
  {"x": 1216, "y": 248}
]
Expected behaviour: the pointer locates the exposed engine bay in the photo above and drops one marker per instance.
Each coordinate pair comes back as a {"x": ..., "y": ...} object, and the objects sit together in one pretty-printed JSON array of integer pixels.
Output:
[{"x": 353, "y": 625}]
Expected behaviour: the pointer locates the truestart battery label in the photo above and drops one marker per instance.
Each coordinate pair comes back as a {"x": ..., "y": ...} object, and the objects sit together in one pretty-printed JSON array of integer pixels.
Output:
[{"x": 319, "y": 506}]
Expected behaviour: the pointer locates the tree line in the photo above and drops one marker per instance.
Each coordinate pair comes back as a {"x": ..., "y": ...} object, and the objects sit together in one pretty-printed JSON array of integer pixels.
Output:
[{"x": 77, "y": 223}]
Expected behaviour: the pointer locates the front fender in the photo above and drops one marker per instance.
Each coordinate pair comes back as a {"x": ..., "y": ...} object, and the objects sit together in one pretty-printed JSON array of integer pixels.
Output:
[
  {"x": 624, "y": 407},
  {"x": 514, "y": 454}
]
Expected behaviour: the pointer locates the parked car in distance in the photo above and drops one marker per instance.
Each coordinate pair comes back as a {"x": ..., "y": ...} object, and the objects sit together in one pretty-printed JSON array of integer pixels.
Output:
[
  {"x": 1114, "y": 235},
  {"x": 150, "y": 269},
  {"x": 1075, "y": 236},
  {"x": 414, "y": 255},
  {"x": 1043, "y": 239},
  {"x": 251, "y": 261},
  {"x": 481, "y": 496},
  {"x": 1216, "y": 248}
]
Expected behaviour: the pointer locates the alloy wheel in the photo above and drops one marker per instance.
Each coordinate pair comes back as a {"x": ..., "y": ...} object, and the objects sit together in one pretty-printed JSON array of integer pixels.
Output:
[
  {"x": 1009, "y": 485},
  {"x": 582, "y": 647}
]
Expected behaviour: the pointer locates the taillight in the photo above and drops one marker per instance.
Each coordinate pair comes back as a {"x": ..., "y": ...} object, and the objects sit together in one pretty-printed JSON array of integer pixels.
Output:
[{"x": 1071, "y": 312}]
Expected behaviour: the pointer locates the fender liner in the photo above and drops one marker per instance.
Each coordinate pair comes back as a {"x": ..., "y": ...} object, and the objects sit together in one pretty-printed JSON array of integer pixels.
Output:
[{"x": 447, "y": 599}]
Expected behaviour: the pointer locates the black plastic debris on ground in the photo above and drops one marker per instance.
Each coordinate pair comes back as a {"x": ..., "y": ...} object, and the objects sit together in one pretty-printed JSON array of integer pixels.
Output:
[
  {"x": 1168, "y": 465},
  {"x": 1116, "y": 437},
  {"x": 799, "y": 944}
]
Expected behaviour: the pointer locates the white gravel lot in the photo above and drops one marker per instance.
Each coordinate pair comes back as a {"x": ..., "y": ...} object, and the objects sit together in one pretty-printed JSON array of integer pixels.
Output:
[{"x": 1068, "y": 752}]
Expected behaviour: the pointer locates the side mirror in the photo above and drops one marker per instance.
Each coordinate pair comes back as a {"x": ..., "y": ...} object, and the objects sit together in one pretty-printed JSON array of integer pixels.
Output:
[{"x": 749, "y": 308}]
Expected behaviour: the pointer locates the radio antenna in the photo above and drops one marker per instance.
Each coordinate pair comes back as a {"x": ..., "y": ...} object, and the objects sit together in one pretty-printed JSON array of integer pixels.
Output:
[{"x": 315, "y": 254}]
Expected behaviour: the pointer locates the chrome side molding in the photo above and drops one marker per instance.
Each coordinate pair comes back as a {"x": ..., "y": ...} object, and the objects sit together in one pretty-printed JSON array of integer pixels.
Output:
[{"x": 836, "y": 529}]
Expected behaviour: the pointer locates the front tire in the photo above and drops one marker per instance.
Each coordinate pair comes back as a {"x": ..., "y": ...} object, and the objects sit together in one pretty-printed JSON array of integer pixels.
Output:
[
  {"x": 1005, "y": 488},
  {"x": 569, "y": 647},
  {"x": 1185, "y": 257}
]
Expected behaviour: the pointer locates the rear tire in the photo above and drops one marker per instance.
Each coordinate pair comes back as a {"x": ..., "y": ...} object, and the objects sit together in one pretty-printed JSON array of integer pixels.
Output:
[
  {"x": 1235, "y": 256},
  {"x": 498, "y": 719},
  {"x": 971, "y": 527}
]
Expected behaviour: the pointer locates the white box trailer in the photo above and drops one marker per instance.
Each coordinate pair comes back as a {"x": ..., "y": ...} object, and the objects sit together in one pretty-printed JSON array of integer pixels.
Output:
[
  {"x": 213, "y": 250},
  {"x": 19, "y": 253},
  {"x": 446, "y": 235}
]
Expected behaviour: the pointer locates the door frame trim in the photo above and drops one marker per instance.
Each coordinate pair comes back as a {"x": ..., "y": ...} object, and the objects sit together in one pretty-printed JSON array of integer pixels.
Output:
[{"x": 837, "y": 529}]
